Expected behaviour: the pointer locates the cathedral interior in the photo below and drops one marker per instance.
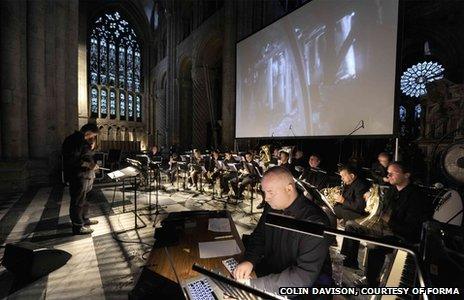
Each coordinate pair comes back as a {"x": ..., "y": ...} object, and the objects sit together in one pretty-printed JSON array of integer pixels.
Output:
[{"x": 163, "y": 73}]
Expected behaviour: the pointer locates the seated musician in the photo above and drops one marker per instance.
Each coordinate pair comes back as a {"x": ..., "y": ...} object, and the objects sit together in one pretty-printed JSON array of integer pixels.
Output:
[
  {"x": 284, "y": 162},
  {"x": 196, "y": 164},
  {"x": 214, "y": 167},
  {"x": 154, "y": 154},
  {"x": 299, "y": 159},
  {"x": 173, "y": 167},
  {"x": 351, "y": 202},
  {"x": 282, "y": 258},
  {"x": 379, "y": 168},
  {"x": 315, "y": 175},
  {"x": 406, "y": 208},
  {"x": 249, "y": 175},
  {"x": 275, "y": 157},
  {"x": 227, "y": 175}
]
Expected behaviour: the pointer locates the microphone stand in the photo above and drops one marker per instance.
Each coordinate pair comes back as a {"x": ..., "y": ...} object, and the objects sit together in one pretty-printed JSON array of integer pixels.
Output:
[{"x": 358, "y": 126}]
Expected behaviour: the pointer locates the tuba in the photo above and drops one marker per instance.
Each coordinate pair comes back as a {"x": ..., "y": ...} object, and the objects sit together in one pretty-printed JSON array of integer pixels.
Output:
[{"x": 265, "y": 155}]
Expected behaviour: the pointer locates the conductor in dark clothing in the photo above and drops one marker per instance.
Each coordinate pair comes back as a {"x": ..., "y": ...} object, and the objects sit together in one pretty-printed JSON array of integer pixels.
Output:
[
  {"x": 283, "y": 258},
  {"x": 79, "y": 170},
  {"x": 406, "y": 208},
  {"x": 351, "y": 203}
]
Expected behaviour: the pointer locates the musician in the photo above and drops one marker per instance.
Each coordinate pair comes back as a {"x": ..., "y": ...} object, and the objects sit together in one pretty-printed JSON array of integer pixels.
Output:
[
  {"x": 196, "y": 164},
  {"x": 282, "y": 258},
  {"x": 275, "y": 157},
  {"x": 299, "y": 159},
  {"x": 227, "y": 175},
  {"x": 406, "y": 208},
  {"x": 284, "y": 162},
  {"x": 379, "y": 168},
  {"x": 154, "y": 154},
  {"x": 315, "y": 175},
  {"x": 79, "y": 170},
  {"x": 214, "y": 169},
  {"x": 351, "y": 202},
  {"x": 173, "y": 167},
  {"x": 249, "y": 175}
]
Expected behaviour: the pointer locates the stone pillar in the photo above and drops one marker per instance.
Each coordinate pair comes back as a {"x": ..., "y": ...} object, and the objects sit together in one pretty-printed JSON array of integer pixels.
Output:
[
  {"x": 72, "y": 36},
  {"x": 37, "y": 107},
  {"x": 228, "y": 75},
  {"x": 13, "y": 83},
  {"x": 60, "y": 70},
  {"x": 173, "y": 107},
  {"x": 50, "y": 75}
]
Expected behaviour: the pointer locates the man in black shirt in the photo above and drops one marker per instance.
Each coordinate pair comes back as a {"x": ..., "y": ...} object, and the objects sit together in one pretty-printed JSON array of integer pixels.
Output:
[
  {"x": 79, "y": 170},
  {"x": 379, "y": 169},
  {"x": 283, "y": 258},
  {"x": 284, "y": 162},
  {"x": 406, "y": 208},
  {"x": 351, "y": 203},
  {"x": 315, "y": 175}
]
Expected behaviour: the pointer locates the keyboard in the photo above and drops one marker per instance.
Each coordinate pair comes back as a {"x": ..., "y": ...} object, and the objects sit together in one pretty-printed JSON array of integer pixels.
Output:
[{"x": 200, "y": 289}]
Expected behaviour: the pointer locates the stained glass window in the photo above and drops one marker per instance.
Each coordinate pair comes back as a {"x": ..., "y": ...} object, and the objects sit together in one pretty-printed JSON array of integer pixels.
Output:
[
  {"x": 94, "y": 101},
  {"x": 122, "y": 105},
  {"x": 93, "y": 60},
  {"x": 115, "y": 62},
  {"x": 402, "y": 114},
  {"x": 417, "y": 112},
  {"x": 130, "y": 66},
  {"x": 138, "y": 108},
  {"x": 137, "y": 71},
  {"x": 112, "y": 64},
  {"x": 103, "y": 102},
  {"x": 415, "y": 78},
  {"x": 112, "y": 103},
  {"x": 130, "y": 106}
]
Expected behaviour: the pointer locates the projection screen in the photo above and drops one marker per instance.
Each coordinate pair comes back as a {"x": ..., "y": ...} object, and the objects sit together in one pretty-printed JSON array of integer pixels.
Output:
[{"x": 320, "y": 71}]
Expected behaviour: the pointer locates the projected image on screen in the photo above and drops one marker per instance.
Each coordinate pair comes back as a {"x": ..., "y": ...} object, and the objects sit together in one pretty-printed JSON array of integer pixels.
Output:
[{"x": 319, "y": 71}]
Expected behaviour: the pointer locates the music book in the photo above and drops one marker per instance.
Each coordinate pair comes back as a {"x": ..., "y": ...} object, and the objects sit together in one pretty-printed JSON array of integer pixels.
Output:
[{"x": 218, "y": 248}]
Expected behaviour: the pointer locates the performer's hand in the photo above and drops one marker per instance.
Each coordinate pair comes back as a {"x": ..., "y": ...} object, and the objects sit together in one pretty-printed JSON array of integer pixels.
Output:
[
  {"x": 339, "y": 199},
  {"x": 385, "y": 179},
  {"x": 243, "y": 270}
]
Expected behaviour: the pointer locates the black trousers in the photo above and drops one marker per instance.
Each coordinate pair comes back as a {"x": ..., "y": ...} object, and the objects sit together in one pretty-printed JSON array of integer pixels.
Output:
[
  {"x": 347, "y": 214},
  {"x": 79, "y": 207}
]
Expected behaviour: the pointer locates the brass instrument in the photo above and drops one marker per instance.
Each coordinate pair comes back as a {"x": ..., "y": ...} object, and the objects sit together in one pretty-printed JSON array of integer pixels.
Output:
[
  {"x": 265, "y": 156},
  {"x": 372, "y": 198}
]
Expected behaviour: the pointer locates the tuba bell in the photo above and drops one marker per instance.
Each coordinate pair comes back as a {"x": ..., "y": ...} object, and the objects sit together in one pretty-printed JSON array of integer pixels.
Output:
[{"x": 265, "y": 155}]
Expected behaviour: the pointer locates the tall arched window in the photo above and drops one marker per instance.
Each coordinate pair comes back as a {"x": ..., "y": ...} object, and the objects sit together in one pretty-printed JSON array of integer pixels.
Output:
[{"x": 115, "y": 63}]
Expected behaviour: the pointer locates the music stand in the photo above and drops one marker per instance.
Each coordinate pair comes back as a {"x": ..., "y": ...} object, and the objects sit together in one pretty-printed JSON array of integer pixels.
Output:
[
  {"x": 234, "y": 288},
  {"x": 123, "y": 175}
]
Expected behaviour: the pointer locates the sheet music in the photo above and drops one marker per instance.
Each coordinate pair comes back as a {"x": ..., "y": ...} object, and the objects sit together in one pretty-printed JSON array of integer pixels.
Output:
[
  {"x": 115, "y": 174},
  {"x": 218, "y": 248},
  {"x": 219, "y": 225}
]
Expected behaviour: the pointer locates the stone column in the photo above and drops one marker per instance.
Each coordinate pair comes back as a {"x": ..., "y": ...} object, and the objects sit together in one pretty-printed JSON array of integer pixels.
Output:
[
  {"x": 50, "y": 75},
  {"x": 13, "y": 83},
  {"x": 60, "y": 69},
  {"x": 173, "y": 107},
  {"x": 72, "y": 36},
  {"x": 37, "y": 107},
  {"x": 228, "y": 75}
]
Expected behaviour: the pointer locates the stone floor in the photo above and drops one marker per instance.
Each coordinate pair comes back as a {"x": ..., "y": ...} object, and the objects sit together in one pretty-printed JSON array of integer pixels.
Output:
[{"x": 101, "y": 267}]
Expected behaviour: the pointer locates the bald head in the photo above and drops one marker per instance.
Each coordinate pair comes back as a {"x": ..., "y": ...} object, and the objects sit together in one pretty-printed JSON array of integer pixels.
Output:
[{"x": 279, "y": 187}]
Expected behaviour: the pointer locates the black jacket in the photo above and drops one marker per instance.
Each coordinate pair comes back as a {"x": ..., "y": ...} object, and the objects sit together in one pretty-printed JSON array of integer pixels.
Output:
[
  {"x": 378, "y": 173},
  {"x": 77, "y": 151},
  {"x": 354, "y": 195},
  {"x": 409, "y": 208},
  {"x": 291, "y": 259}
]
